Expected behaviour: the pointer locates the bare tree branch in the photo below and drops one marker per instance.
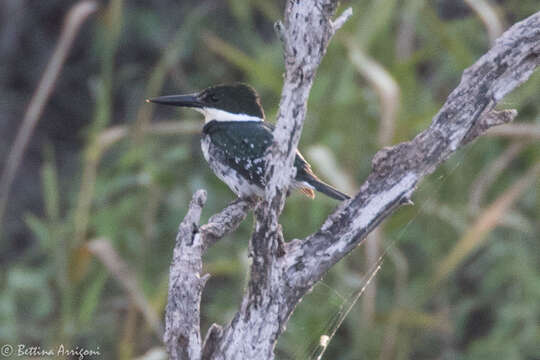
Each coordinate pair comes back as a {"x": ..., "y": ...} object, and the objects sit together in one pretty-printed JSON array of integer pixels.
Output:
[
  {"x": 522, "y": 131},
  {"x": 182, "y": 318},
  {"x": 226, "y": 221},
  {"x": 466, "y": 114},
  {"x": 281, "y": 273},
  {"x": 253, "y": 332},
  {"x": 186, "y": 283},
  {"x": 487, "y": 121}
]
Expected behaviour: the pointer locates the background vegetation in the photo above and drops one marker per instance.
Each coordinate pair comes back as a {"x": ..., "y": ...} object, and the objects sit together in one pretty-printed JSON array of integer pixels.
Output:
[{"x": 92, "y": 215}]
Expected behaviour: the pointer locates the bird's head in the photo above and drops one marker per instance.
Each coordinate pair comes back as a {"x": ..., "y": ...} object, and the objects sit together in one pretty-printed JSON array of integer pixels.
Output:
[{"x": 235, "y": 102}]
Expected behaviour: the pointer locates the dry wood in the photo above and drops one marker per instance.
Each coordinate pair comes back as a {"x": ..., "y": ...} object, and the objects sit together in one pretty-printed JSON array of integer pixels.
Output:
[{"x": 282, "y": 272}]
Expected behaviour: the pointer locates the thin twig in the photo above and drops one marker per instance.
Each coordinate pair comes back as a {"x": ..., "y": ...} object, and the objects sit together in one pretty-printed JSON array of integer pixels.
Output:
[
  {"x": 225, "y": 221},
  {"x": 521, "y": 131},
  {"x": 342, "y": 19}
]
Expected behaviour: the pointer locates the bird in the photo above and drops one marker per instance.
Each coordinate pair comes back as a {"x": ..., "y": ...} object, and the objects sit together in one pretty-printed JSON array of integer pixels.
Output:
[{"x": 235, "y": 138}]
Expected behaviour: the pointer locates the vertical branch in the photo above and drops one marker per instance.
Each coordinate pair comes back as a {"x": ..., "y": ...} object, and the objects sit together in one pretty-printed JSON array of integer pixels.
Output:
[
  {"x": 266, "y": 305},
  {"x": 305, "y": 34},
  {"x": 182, "y": 318}
]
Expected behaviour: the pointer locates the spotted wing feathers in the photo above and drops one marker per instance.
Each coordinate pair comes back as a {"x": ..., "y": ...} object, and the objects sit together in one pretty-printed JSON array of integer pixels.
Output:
[{"x": 242, "y": 146}]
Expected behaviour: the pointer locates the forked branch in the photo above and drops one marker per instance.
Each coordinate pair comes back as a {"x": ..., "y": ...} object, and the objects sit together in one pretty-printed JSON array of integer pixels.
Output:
[{"x": 282, "y": 272}]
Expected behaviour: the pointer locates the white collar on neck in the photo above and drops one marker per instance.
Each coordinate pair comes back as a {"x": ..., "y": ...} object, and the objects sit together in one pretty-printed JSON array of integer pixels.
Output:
[{"x": 221, "y": 115}]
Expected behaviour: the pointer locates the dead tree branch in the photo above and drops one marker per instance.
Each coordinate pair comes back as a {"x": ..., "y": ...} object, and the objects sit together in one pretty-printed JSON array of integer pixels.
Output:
[
  {"x": 520, "y": 131},
  {"x": 253, "y": 333},
  {"x": 281, "y": 273},
  {"x": 186, "y": 283},
  {"x": 467, "y": 113}
]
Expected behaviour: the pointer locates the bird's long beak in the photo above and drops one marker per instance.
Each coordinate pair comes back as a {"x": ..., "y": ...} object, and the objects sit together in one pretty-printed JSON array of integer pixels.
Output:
[{"x": 191, "y": 100}]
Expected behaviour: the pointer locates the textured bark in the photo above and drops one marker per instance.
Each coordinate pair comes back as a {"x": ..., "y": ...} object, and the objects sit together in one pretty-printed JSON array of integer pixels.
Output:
[
  {"x": 263, "y": 314},
  {"x": 182, "y": 319},
  {"x": 281, "y": 273}
]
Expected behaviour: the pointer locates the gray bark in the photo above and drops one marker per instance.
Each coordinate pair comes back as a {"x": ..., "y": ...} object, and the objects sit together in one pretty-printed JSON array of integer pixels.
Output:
[
  {"x": 282, "y": 272},
  {"x": 182, "y": 320}
]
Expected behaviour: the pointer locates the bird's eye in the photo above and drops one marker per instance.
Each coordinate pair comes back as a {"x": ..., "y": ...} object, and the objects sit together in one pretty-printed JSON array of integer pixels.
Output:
[{"x": 212, "y": 97}]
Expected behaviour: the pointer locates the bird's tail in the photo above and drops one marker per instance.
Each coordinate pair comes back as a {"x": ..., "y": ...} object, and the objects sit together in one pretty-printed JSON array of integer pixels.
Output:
[{"x": 327, "y": 189}]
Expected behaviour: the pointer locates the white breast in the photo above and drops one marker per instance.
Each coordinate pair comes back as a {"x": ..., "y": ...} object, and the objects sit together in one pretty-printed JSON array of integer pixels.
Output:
[
  {"x": 236, "y": 182},
  {"x": 205, "y": 144}
]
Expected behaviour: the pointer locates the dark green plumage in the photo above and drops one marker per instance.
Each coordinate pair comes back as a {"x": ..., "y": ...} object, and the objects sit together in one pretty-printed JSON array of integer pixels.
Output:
[
  {"x": 242, "y": 146},
  {"x": 237, "y": 98}
]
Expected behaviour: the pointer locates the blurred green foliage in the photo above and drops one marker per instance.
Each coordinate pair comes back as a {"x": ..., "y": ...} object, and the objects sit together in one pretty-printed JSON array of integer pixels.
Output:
[{"x": 134, "y": 189}]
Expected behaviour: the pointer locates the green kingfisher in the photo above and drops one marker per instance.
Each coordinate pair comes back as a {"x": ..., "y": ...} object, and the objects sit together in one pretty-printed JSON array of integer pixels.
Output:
[{"x": 235, "y": 138}]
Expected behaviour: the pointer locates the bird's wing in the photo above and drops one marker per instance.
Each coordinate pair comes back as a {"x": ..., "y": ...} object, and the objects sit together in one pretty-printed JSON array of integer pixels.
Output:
[{"x": 243, "y": 144}]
